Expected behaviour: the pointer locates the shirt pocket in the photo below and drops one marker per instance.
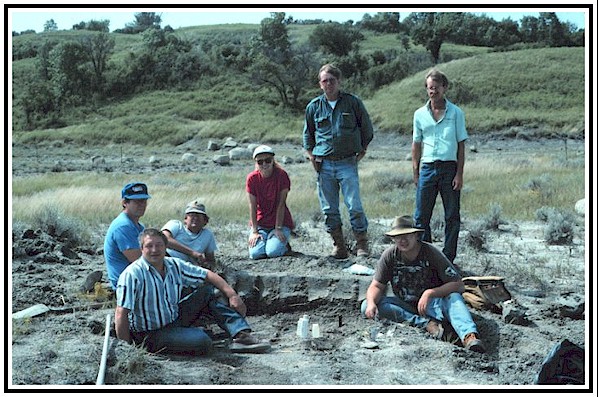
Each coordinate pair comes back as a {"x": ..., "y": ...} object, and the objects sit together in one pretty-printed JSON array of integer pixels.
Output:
[
  {"x": 322, "y": 123},
  {"x": 449, "y": 130},
  {"x": 347, "y": 121}
]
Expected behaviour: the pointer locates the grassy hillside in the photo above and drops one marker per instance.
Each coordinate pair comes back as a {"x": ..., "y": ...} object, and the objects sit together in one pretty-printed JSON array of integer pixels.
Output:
[{"x": 537, "y": 88}]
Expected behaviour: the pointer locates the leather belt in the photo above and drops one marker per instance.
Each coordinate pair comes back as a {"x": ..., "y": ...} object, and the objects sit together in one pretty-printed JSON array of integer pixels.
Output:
[{"x": 333, "y": 157}]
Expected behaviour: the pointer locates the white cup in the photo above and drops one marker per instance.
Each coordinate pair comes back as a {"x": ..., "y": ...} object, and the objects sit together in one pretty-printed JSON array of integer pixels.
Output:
[{"x": 315, "y": 331}]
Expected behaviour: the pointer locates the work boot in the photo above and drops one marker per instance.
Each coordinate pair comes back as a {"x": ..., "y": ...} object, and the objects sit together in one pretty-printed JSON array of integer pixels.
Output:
[
  {"x": 435, "y": 329},
  {"x": 339, "y": 250},
  {"x": 361, "y": 246},
  {"x": 473, "y": 343}
]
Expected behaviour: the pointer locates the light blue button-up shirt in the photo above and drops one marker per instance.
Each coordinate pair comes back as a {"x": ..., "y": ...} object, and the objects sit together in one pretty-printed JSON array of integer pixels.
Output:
[
  {"x": 153, "y": 300},
  {"x": 439, "y": 139}
]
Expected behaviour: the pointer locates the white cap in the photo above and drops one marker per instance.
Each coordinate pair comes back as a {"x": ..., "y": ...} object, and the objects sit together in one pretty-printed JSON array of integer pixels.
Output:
[{"x": 262, "y": 149}]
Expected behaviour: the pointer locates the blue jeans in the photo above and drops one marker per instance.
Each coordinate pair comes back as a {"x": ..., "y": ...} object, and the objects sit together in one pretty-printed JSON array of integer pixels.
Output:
[
  {"x": 451, "y": 307},
  {"x": 269, "y": 246},
  {"x": 342, "y": 176},
  {"x": 181, "y": 337},
  {"x": 437, "y": 178}
]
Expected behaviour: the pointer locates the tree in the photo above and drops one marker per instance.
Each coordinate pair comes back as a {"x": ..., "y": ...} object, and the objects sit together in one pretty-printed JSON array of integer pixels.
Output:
[
  {"x": 335, "y": 38},
  {"x": 430, "y": 31},
  {"x": 276, "y": 66},
  {"x": 99, "y": 26},
  {"x": 551, "y": 30},
  {"x": 69, "y": 76},
  {"x": 273, "y": 32},
  {"x": 383, "y": 22},
  {"x": 143, "y": 21},
  {"x": 98, "y": 48},
  {"x": 50, "y": 26}
]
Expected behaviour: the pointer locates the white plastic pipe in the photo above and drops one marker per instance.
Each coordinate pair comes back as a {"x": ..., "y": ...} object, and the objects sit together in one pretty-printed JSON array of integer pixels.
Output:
[{"x": 102, "y": 372}]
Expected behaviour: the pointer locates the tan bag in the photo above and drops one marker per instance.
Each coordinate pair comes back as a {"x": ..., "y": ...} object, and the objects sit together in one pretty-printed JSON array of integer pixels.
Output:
[{"x": 485, "y": 292}]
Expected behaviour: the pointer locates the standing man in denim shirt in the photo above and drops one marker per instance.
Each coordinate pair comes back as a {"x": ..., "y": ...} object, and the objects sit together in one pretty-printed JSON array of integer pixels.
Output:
[
  {"x": 336, "y": 134},
  {"x": 438, "y": 155}
]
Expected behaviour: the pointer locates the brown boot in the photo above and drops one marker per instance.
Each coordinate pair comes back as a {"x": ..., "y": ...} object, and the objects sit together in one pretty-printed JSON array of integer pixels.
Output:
[
  {"x": 361, "y": 246},
  {"x": 340, "y": 249},
  {"x": 435, "y": 329},
  {"x": 473, "y": 343}
]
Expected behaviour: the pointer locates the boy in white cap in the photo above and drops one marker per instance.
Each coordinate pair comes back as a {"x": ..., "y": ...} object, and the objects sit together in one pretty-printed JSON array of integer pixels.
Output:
[
  {"x": 190, "y": 239},
  {"x": 426, "y": 285}
]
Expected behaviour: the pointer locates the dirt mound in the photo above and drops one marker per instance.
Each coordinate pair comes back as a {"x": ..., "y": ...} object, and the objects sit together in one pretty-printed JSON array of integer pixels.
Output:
[{"x": 64, "y": 348}]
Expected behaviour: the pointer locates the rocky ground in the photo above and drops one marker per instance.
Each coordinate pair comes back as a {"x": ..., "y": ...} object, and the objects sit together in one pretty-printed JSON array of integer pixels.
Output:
[{"x": 63, "y": 346}]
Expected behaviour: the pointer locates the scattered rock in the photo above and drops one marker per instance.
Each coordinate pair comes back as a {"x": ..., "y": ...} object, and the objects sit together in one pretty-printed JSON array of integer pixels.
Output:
[
  {"x": 580, "y": 207},
  {"x": 239, "y": 153},
  {"x": 91, "y": 280},
  {"x": 221, "y": 159},
  {"x": 188, "y": 158}
]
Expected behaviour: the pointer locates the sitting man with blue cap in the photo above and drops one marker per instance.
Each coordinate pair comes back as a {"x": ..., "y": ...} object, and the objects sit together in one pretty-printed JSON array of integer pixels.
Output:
[{"x": 121, "y": 245}]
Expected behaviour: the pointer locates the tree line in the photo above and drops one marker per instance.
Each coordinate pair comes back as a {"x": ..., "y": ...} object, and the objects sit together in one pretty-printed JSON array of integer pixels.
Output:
[{"x": 80, "y": 71}]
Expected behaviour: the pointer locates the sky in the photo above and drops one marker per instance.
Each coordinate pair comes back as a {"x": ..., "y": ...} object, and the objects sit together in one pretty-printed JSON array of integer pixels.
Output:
[{"x": 21, "y": 19}]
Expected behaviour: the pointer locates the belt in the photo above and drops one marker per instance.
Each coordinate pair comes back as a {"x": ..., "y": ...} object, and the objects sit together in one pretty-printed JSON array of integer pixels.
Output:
[
  {"x": 334, "y": 157},
  {"x": 440, "y": 162}
]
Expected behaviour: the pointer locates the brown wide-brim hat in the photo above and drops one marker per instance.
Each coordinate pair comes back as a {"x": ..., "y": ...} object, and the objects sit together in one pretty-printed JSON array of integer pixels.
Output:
[{"x": 403, "y": 225}]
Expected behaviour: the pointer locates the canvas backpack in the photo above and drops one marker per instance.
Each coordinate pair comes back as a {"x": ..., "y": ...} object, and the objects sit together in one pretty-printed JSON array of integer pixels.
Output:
[{"x": 485, "y": 292}]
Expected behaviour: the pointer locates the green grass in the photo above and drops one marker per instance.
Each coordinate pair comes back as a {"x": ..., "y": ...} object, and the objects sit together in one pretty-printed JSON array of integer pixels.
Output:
[
  {"x": 519, "y": 186},
  {"x": 539, "y": 87}
]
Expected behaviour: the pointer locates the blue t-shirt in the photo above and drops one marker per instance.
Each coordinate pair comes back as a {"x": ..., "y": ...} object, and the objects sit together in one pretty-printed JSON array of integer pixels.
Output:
[
  {"x": 203, "y": 241},
  {"x": 122, "y": 235}
]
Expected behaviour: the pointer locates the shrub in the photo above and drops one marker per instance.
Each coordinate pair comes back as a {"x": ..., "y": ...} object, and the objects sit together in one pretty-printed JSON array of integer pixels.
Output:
[
  {"x": 560, "y": 229},
  {"x": 53, "y": 221},
  {"x": 385, "y": 181},
  {"x": 493, "y": 220},
  {"x": 476, "y": 238}
]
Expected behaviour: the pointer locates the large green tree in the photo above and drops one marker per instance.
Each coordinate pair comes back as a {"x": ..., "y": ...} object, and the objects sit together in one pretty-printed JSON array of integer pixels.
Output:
[
  {"x": 336, "y": 38},
  {"x": 276, "y": 65}
]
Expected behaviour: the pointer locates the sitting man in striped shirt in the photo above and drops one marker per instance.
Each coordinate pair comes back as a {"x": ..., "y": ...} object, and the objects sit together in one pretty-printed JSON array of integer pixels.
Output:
[{"x": 150, "y": 311}]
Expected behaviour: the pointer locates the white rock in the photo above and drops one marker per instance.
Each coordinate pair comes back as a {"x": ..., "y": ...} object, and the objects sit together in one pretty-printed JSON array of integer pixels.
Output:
[{"x": 580, "y": 206}]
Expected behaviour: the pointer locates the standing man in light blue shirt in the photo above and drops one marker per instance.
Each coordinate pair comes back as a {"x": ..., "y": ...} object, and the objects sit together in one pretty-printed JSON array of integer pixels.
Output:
[
  {"x": 121, "y": 245},
  {"x": 438, "y": 155}
]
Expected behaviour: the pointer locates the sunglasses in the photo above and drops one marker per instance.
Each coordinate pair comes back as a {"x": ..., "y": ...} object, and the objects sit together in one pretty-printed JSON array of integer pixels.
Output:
[{"x": 262, "y": 161}]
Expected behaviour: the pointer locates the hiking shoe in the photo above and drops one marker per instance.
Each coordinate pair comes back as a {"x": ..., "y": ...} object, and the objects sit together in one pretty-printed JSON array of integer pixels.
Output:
[
  {"x": 473, "y": 343},
  {"x": 435, "y": 329},
  {"x": 247, "y": 343}
]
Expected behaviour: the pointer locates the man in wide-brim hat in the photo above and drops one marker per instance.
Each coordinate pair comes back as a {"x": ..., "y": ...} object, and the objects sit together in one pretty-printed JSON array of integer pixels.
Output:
[{"x": 426, "y": 285}]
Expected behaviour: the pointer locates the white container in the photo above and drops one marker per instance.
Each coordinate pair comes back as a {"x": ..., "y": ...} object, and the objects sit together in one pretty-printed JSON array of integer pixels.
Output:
[
  {"x": 315, "y": 331},
  {"x": 303, "y": 327}
]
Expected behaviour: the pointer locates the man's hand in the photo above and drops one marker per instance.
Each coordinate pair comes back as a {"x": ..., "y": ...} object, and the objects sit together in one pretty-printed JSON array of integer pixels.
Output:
[
  {"x": 422, "y": 304},
  {"x": 237, "y": 303},
  {"x": 371, "y": 311},
  {"x": 361, "y": 155}
]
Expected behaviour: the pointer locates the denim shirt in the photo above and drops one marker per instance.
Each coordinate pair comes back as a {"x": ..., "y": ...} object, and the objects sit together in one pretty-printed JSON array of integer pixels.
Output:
[
  {"x": 342, "y": 131},
  {"x": 439, "y": 138}
]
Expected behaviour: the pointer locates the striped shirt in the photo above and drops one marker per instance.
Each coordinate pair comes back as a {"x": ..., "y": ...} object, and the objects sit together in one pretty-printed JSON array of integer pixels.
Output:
[{"x": 154, "y": 302}]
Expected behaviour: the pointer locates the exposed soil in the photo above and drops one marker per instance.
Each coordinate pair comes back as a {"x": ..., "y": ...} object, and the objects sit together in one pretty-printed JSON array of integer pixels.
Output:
[{"x": 64, "y": 347}]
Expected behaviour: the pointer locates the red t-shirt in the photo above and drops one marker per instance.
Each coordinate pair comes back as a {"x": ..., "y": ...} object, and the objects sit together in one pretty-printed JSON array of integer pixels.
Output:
[{"x": 267, "y": 194}]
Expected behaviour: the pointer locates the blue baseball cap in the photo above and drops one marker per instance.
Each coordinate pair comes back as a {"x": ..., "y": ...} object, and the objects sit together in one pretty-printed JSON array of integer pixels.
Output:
[{"x": 135, "y": 191}]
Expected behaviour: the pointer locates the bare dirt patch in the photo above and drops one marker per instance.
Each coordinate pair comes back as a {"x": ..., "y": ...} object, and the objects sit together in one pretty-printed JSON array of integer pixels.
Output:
[{"x": 64, "y": 348}]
